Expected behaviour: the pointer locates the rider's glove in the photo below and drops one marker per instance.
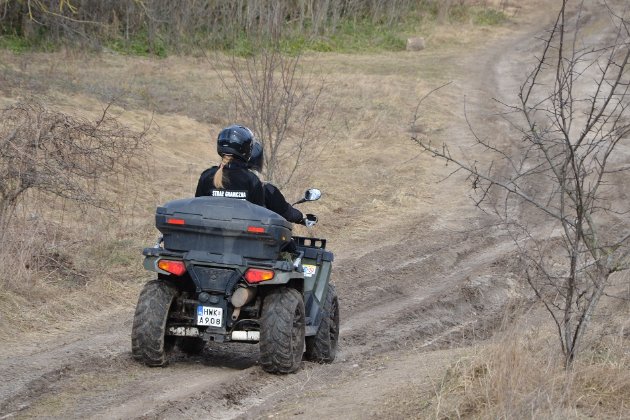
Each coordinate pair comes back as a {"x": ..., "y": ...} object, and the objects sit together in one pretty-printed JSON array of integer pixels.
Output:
[
  {"x": 158, "y": 244},
  {"x": 310, "y": 220}
]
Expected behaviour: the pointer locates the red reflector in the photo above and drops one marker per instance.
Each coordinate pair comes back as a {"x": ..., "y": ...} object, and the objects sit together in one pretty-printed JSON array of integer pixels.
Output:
[
  {"x": 176, "y": 221},
  {"x": 256, "y": 275},
  {"x": 255, "y": 229},
  {"x": 174, "y": 267}
]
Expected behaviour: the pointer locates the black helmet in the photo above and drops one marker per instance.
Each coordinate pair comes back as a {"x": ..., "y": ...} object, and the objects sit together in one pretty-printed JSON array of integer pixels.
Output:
[
  {"x": 235, "y": 140},
  {"x": 256, "y": 160}
]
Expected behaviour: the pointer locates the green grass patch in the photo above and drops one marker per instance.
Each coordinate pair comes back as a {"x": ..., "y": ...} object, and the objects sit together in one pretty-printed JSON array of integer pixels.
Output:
[
  {"x": 18, "y": 44},
  {"x": 15, "y": 44},
  {"x": 139, "y": 45},
  {"x": 350, "y": 37},
  {"x": 489, "y": 17},
  {"x": 479, "y": 16},
  {"x": 367, "y": 37}
]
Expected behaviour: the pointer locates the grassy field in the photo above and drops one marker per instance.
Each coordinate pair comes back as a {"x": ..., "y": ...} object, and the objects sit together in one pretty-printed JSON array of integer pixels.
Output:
[
  {"x": 65, "y": 266},
  {"x": 183, "y": 101}
]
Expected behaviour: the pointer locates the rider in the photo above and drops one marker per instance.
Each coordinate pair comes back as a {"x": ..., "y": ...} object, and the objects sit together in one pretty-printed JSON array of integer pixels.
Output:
[
  {"x": 274, "y": 200},
  {"x": 232, "y": 178}
]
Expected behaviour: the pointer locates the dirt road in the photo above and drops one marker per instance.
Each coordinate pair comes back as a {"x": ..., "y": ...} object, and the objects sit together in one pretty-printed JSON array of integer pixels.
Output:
[{"x": 418, "y": 283}]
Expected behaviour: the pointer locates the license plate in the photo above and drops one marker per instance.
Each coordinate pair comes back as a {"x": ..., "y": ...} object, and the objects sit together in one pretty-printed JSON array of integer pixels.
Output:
[{"x": 207, "y": 315}]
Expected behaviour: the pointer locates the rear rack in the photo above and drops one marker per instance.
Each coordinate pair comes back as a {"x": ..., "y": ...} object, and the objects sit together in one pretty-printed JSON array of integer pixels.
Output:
[
  {"x": 305, "y": 242},
  {"x": 313, "y": 249}
]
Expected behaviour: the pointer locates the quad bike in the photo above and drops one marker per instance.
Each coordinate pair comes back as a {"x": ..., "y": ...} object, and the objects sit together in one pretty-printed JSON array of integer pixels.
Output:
[{"x": 223, "y": 275}]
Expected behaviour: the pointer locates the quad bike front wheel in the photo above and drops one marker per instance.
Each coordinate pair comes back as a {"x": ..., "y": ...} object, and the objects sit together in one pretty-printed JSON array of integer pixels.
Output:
[
  {"x": 322, "y": 347},
  {"x": 149, "y": 342},
  {"x": 282, "y": 331}
]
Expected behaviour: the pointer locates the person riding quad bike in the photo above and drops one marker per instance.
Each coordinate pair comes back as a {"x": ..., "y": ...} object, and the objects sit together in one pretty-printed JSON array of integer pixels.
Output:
[
  {"x": 274, "y": 200},
  {"x": 240, "y": 151},
  {"x": 233, "y": 271},
  {"x": 232, "y": 178}
]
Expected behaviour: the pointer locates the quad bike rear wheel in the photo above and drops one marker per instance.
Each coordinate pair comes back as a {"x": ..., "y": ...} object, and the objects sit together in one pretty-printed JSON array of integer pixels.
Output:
[
  {"x": 149, "y": 342},
  {"x": 282, "y": 331},
  {"x": 322, "y": 347}
]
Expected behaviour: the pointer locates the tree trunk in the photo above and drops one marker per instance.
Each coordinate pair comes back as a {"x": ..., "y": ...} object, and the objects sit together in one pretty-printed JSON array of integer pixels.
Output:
[{"x": 443, "y": 11}]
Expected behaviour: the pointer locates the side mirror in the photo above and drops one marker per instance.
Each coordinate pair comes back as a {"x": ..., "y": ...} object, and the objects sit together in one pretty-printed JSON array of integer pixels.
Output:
[{"x": 312, "y": 194}]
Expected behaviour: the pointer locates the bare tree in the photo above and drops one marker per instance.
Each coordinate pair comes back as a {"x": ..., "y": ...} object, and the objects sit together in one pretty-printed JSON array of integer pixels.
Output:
[
  {"x": 211, "y": 22},
  {"x": 61, "y": 155},
  {"x": 272, "y": 93},
  {"x": 569, "y": 167},
  {"x": 444, "y": 9}
]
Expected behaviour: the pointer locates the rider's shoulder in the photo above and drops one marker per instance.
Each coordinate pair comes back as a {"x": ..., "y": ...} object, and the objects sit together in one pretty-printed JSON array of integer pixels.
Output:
[
  {"x": 271, "y": 189},
  {"x": 252, "y": 175}
]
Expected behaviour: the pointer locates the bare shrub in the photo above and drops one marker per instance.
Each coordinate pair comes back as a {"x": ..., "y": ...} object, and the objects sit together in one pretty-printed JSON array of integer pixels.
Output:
[
  {"x": 572, "y": 119},
  {"x": 272, "y": 93},
  {"x": 36, "y": 252},
  {"x": 68, "y": 189},
  {"x": 61, "y": 155}
]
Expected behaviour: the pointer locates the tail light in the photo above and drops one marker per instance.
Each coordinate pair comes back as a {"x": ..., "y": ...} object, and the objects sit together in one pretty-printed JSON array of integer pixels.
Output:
[
  {"x": 256, "y": 275},
  {"x": 255, "y": 229},
  {"x": 173, "y": 221},
  {"x": 174, "y": 267}
]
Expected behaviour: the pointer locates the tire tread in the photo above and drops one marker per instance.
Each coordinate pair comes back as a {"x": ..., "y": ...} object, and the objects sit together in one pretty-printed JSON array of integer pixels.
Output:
[
  {"x": 149, "y": 344},
  {"x": 280, "y": 351},
  {"x": 321, "y": 348}
]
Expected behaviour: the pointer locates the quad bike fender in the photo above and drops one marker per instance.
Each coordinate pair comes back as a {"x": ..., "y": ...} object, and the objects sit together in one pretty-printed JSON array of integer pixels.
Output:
[
  {"x": 150, "y": 264},
  {"x": 294, "y": 279}
]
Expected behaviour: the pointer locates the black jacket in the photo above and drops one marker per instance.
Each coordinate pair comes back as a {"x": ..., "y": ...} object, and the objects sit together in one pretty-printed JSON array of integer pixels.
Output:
[
  {"x": 239, "y": 183},
  {"x": 275, "y": 201}
]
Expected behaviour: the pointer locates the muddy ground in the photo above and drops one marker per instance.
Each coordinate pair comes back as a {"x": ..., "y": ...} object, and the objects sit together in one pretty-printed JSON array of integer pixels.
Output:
[{"x": 421, "y": 277}]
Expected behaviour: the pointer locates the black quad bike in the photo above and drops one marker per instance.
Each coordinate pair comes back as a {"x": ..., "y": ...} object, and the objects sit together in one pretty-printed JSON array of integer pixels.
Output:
[{"x": 224, "y": 274}]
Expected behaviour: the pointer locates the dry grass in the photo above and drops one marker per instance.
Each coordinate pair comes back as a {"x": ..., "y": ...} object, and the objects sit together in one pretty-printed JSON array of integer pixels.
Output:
[
  {"x": 60, "y": 265},
  {"x": 63, "y": 262},
  {"x": 100, "y": 255},
  {"x": 520, "y": 375}
]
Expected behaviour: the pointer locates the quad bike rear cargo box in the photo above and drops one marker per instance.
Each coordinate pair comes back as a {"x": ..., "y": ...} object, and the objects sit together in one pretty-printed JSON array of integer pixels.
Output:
[{"x": 222, "y": 226}]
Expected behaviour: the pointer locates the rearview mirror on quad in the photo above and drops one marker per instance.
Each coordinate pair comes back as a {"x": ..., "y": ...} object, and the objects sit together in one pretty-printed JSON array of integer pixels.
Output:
[{"x": 311, "y": 194}]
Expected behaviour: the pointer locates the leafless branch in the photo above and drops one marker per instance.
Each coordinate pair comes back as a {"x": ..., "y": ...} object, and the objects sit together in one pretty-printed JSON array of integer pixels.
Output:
[
  {"x": 271, "y": 93},
  {"x": 61, "y": 155},
  {"x": 571, "y": 116}
]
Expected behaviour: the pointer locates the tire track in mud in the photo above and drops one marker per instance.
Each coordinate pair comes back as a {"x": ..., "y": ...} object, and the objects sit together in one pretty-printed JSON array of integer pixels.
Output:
[
  {"x": 39, "y": 370},
  {"x": 472, "y": 288},
  {"x": 96, "y": 377},
  {"x": 449, "y": 310},
  {"x": 361, "y": 340}
]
